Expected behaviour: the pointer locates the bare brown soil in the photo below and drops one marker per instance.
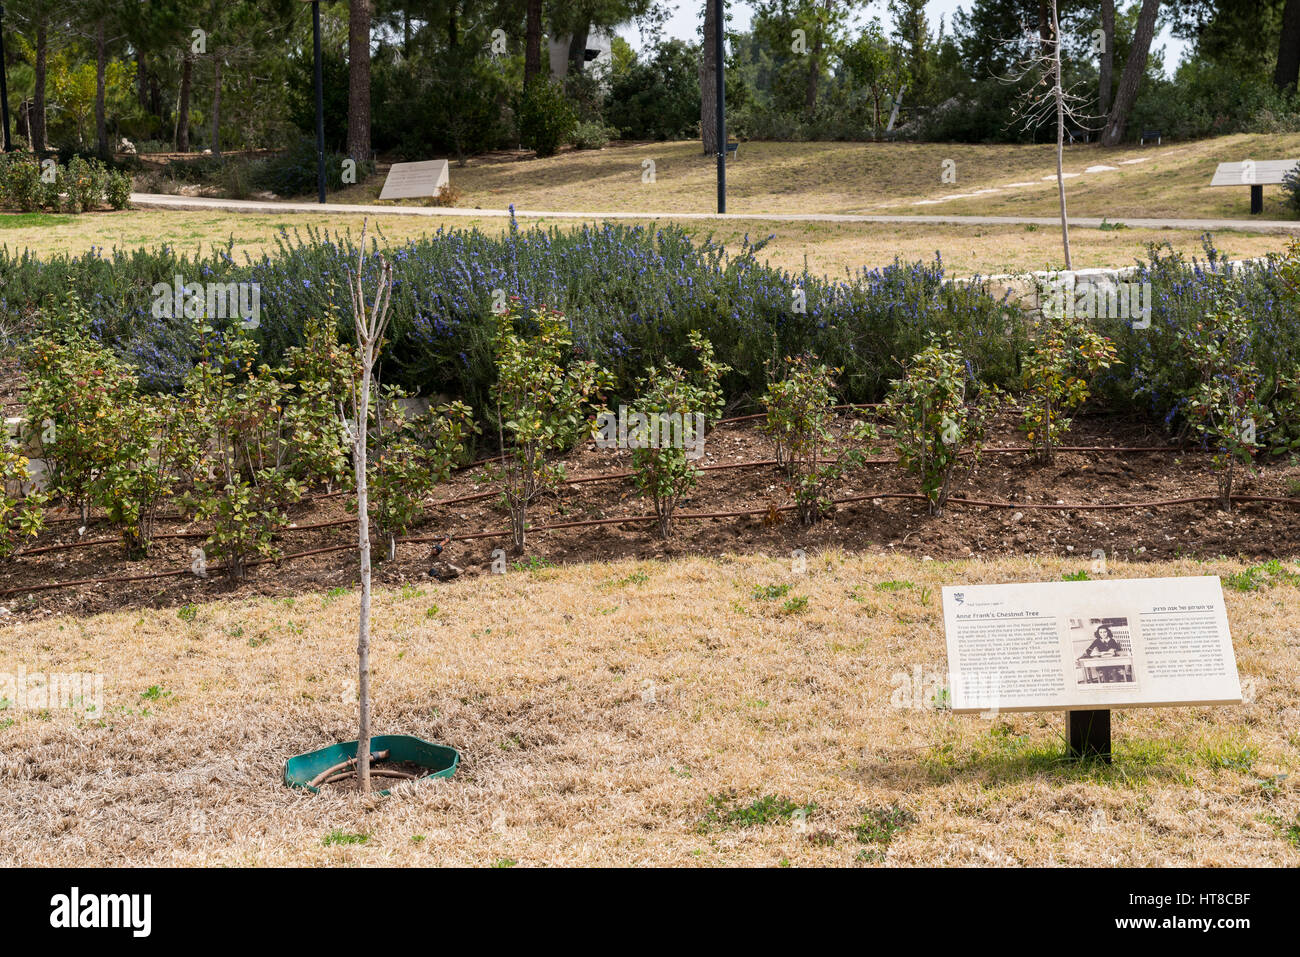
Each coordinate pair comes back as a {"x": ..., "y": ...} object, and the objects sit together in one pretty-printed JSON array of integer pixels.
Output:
[{"x": 1032, "y": 524}]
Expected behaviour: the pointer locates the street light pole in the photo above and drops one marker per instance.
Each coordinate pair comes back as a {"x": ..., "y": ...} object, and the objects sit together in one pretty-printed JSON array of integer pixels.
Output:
[
  {"x": 4, "y": 86},
  {"x": 718, "y": 47}
]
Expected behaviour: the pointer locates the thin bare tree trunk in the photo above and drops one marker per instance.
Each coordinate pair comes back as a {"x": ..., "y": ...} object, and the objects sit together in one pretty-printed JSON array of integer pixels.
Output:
[
  {"x": 363, "y": 540},
  {"x": 1107, "y": 66},
  {"x": 370, "y": 325},
  {"x": 1131, "y": 78},
  {"x": 709, "y": 83},
  {"x": 101, "y": 67},
  {"x": 216, "y": 104},
  {"x": 1059, "y": 93},
  {"x": 183, "y": 105}
]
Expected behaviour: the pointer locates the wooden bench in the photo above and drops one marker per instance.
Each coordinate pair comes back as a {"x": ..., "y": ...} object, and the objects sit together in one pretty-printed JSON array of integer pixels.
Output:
[
  {"x": 733, "y": 150},
  {"x": 1073, "y": 136},
  {"x": 1253, "y": 173},
  {"x": 1150, "y": 135}
]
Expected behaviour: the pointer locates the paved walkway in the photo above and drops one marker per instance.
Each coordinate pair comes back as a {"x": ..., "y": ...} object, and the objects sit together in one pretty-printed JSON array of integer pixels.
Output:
[{"x": 153, "y": 201}]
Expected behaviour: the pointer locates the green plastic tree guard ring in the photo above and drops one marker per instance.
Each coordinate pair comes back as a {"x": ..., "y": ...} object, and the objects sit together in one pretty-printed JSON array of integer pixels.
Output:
[{"x": 440, "y": 760}]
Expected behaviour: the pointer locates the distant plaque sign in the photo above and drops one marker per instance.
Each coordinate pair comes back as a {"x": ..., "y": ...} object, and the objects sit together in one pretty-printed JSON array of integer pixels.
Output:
[
  {"x": 1089, "y": 646},
  {"x": 412, "y": 180}
]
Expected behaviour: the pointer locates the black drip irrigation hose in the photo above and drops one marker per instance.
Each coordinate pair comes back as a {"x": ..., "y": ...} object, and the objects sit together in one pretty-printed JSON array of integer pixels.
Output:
[{"x": 606, "y": 477}]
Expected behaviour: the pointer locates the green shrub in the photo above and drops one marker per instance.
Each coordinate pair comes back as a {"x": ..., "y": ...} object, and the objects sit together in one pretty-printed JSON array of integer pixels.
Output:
[
  {"x": 1062, "y": 358},
  {"x": 21, "y": 516},
  {"x": 938, "y": 416},
  {"x": 1222, "y": 407},
  {"x": 678, "y": 406},
  {"x": 658, "y": 98},
  {"x": 590, "y": 135},
  {"x": 84, "y": 185},
  {"x": 318, "y": 375},
  {"x": 76, "y": 386},
  {"x": 542, "y": 396},
  {"x": 20, "y": 183},
  {"x": 800, "y": 407},
  {"x": 546, "y": 117},
  {"x": 118, "y": 190},
  {"x": 152, "y": 446},
  {"x": 79, "y": 186},
  {"x": 240, "y": 487},
  {"x": 411, "y": 456},
  {"x": 293, "y": 172},
  {"x": 1291, "y": 187}
]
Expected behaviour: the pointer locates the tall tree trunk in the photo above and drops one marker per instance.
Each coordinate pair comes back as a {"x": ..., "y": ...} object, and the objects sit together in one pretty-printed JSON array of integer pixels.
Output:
[
  {"x": 183, "y": 105},
  {"x": 578, "y": 50},
  {"x": 359, "y": 81},
  {"x": 1287, "y": 73},
  {"x": 1044, "y": 29},
  {"x": 156, "y": 98},
  {"x": 1131, "y": 78},
  {"x": 814, "y": 75},
  {"x": 1107, "y": 66},
  {"x": 216, "y": 104},
  {"x": 709, "y": 83},
  {"x": 36, "y": 118},
  {"x": 533, "y": 41},
  {"x": 101, "y": 68},
  {"x": 141, "y": 81}
]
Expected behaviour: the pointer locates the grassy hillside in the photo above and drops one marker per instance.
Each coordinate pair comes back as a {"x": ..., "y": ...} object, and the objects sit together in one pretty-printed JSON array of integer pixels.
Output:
[{"x": 1169, "y": 180}]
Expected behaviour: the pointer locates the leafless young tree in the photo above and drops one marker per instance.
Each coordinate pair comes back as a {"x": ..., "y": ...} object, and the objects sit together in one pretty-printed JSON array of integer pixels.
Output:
[
  {"x": 370, "y": 321},
  {"x": 1040, "y": 62}
]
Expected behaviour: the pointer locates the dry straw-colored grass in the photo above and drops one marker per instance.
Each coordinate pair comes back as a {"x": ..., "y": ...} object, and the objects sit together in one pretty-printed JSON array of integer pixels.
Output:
[
  {"x": 1172, "y": 180},
  {"x": 600, "y": 709}
]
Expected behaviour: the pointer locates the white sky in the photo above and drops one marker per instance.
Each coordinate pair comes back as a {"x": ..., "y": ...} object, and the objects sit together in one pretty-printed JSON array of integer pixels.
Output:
[{"x": 685, "y": 22}]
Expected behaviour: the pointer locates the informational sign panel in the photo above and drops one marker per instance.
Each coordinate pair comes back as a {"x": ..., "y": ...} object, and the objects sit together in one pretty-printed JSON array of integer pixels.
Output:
[
  {"x": 412, "y": 180},
  {"x": 1146, "y": 642},
  {"x": 1252, "y": 172}
]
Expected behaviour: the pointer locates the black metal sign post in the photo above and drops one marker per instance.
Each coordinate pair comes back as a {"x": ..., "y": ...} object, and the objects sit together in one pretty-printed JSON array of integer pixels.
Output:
[
  {"x": 722, "y": 103},
  {"x": 1090, "y": 735}
]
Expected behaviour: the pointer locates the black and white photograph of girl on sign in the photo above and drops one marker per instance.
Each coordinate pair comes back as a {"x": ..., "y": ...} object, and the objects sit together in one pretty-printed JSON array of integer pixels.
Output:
[{"x": 1103, "y": 651}]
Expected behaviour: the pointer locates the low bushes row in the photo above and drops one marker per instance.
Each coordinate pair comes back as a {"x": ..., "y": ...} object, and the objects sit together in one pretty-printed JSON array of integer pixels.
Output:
[
  {"x": 242, "y": 440},
  {"x": 81, "y": 185}
]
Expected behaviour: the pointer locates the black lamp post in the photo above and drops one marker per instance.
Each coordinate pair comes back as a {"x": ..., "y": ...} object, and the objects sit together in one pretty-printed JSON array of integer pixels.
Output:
[
  {"x": 719, "y": 30},
  {"x": 320, "y": 100},
  {"x": 4, "y": 87}
]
